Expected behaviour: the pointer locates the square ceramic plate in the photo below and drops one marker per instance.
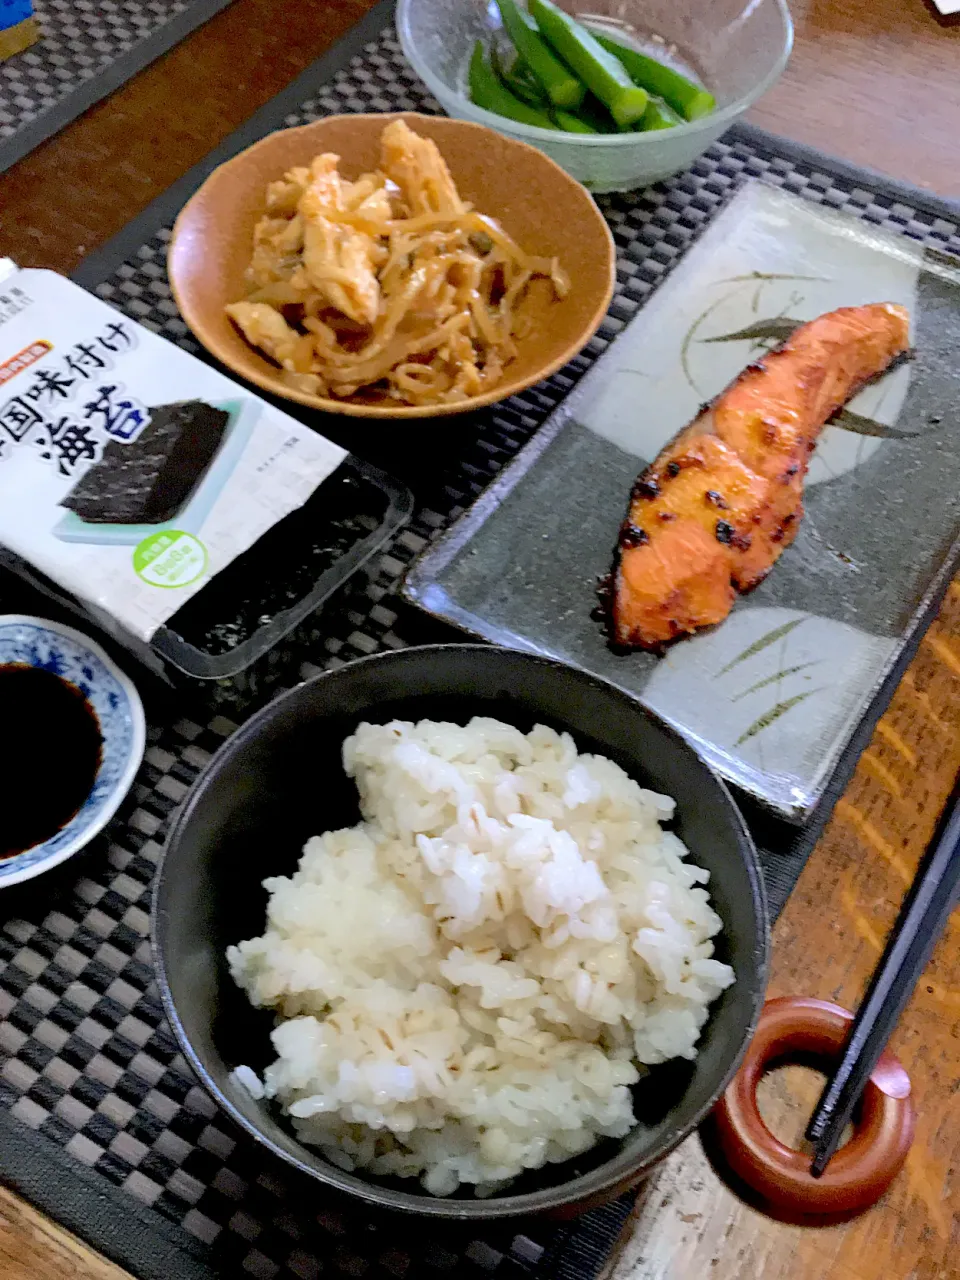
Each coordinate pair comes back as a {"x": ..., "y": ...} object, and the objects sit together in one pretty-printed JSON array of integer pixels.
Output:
[{"x": 772, "y": 696}]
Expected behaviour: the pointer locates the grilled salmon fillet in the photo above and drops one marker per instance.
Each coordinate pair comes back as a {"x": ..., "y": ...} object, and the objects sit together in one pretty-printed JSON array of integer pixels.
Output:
[{"x": 724, "y": 498}]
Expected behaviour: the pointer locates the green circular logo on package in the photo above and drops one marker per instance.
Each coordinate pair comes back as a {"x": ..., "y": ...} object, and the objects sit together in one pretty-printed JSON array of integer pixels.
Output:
[{"x": 170, "y": 558}]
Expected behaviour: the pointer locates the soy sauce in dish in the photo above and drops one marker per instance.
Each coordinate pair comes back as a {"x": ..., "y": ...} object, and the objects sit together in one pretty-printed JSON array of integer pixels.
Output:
[{"x": 50, "y": 751}]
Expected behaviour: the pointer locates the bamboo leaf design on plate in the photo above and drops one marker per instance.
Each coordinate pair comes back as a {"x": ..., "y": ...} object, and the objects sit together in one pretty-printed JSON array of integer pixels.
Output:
[
  {"x": 758, "y": 646},
  {"x": 862, "y": 426},
  {"x": 755, "y": 278},
  {"x": 770, "y": 717},
  {"x": 692, "y": 333},
  {"x": 942, "y": 258},
  {"x": 778, "y": 329},
  {"x": 770, "y": 275},
  {"x": 777, "y": 675}
]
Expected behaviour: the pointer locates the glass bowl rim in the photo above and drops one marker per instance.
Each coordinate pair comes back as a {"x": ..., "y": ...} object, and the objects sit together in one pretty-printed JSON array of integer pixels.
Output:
[{"x": 534, "y": 134}]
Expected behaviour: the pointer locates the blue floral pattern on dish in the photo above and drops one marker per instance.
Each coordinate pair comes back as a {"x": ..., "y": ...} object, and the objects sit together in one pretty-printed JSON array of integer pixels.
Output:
[{"x": 66, "y": 653}]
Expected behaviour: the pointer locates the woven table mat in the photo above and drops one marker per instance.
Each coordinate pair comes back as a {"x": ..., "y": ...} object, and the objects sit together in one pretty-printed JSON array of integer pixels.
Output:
[
  {"x": 101, "y": 1121},
  {"x": 86, "y": 51}
]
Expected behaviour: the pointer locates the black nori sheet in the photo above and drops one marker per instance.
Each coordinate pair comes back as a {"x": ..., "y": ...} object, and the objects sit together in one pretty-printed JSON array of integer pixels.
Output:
[
  {"x": 148, "y": 480},
  {"x": 283, "y": 566}
]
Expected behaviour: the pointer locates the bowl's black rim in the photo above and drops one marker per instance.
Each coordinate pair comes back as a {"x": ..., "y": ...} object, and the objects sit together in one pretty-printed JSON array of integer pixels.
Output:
[{"x": 590, "y": 1186}]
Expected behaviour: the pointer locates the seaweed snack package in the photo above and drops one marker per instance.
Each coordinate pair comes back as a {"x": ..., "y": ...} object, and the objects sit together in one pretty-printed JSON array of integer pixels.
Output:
[
  {"x": 18, "y": 27},
  {"x": 130, "y": 472}
]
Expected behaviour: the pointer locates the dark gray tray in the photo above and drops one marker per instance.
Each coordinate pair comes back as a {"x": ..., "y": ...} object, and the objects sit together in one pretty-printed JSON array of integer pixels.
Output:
[
  {"x": 235, "y": 646},
  {"x": 772, "y": 696}
]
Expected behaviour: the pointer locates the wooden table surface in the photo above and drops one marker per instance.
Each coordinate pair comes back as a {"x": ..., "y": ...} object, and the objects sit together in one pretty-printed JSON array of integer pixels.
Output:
[{"x": 878, "y": 84}]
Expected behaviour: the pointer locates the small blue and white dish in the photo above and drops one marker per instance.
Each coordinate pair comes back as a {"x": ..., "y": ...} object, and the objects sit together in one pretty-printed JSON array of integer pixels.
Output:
[{"x": 36, "y": 642}]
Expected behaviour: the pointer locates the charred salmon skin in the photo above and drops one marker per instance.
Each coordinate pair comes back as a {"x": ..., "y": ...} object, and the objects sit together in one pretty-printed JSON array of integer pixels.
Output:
[{"x": 725, "y": 497}]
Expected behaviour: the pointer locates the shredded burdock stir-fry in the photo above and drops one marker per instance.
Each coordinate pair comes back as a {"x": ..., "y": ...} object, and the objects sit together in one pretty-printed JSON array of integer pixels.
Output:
[{"x": 389, "y": 284}]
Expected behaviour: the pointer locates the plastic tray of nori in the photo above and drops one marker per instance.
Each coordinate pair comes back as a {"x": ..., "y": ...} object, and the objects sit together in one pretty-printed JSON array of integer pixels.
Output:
[{"x": 265, "y": 593}]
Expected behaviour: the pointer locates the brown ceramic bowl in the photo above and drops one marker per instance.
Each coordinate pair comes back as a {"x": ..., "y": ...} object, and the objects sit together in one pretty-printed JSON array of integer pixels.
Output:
[{"x": 544, "y": 209}]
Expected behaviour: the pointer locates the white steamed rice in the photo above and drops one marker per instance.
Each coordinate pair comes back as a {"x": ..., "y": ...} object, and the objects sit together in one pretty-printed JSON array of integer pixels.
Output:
[{"x": 468, "y": 982}]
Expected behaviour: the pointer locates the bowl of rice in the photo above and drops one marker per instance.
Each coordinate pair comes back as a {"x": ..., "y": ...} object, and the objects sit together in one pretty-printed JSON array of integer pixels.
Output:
[{"x": 462, "y": 931}]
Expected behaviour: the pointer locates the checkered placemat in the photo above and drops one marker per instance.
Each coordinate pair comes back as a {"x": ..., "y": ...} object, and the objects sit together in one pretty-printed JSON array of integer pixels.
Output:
[
  {"x": 88, "y": 1062},
  {"x": 83, "y": 41}
]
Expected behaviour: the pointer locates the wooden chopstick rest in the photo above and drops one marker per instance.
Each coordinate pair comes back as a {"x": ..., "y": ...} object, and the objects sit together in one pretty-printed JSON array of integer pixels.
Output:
[{"x": 861, "y": 1171}]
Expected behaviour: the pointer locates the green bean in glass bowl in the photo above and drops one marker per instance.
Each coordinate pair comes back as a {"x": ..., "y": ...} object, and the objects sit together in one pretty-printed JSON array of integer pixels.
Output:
[{"x": 620, "y": 93}]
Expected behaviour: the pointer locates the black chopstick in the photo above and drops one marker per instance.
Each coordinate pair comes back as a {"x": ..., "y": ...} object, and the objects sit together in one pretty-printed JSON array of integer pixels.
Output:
[{"x": 923, "y": 917}]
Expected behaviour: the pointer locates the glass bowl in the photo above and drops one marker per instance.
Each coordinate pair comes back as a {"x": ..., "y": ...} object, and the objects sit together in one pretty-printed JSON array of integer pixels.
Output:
[{"x": 737, "y": 47}]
